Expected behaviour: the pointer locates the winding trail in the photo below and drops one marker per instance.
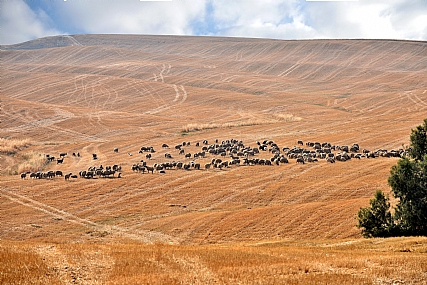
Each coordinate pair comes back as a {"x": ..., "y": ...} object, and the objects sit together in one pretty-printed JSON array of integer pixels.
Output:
[{"x": 148, "y": 237}]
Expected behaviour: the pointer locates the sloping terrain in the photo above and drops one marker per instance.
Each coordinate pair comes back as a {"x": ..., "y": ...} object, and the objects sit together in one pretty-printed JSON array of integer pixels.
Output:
[{"x": 89, "y": 94}]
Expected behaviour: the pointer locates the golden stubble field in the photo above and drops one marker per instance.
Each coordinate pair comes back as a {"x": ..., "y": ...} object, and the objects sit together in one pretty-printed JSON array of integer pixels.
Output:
[{"x": 287, "y": 224}]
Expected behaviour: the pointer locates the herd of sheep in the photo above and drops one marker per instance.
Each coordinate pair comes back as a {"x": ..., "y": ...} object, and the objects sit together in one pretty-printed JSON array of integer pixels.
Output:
[{"x": 224, "y": 154}]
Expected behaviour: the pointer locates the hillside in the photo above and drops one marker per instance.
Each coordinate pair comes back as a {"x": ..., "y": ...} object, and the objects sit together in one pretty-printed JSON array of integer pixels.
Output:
[
  {"x": 87, "y": 95},
  {"x": 95, "y": 93}
]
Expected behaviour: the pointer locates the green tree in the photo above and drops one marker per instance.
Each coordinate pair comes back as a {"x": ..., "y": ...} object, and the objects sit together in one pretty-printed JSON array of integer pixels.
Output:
[
  {"x": 376, "y": 220},
  {"x": 408, "y": 182},
  {"x": 418, "y": 139}
]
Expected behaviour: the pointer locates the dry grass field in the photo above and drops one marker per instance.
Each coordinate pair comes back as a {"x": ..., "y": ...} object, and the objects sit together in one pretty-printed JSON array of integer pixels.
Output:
[{"x": 259, "y": 224}]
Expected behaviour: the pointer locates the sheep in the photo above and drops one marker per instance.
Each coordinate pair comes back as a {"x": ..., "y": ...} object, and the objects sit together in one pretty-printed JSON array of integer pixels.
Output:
[
  {"x": 23, "y": 175},
  {"x": 67, "y": 176},
  {"x": 60, "y": 160},
  {"x": 300, "y": 160},
  {"x": 149, "y": 168}
]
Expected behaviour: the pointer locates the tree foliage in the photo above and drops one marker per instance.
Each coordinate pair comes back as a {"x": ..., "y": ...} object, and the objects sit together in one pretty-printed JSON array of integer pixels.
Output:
[
  {"x": 376, "y": 219},
  {"x": 408, "y": 182},
  {"x": 419, "y": 142}
]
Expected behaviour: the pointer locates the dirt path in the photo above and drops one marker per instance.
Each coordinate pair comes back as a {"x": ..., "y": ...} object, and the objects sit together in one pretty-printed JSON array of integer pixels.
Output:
[
  {"x": 92, "y": 267},
  {"x": 140, "y": 235},
  {"x": 196, "y": 271}
]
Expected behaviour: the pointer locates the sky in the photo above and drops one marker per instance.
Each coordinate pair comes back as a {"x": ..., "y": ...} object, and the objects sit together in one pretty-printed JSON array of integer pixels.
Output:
[{"x": 23, "y": 20}]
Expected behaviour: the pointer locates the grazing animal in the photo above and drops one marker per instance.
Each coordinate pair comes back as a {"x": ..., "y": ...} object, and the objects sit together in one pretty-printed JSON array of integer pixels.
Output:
[
  {"x": 149, "y": 168},
  {"x": 62, "y": 154},
  {"x": 300, "y": 160},
  {"x": 67, "y": 176},
  {"x": 330, "y": 159},
  {"x": 116, "y": 150},
  {"x": 94, "y": 156},
  {"x": 60, "y": 160},
  {"x": 73, "y": 176},
  {"x": 23, "y": 175}
]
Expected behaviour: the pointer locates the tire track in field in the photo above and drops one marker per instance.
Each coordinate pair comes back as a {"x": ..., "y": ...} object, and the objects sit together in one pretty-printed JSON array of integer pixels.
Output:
[
  {"x": 60, "y": 116},
  {"x": 172, "y": 103},
  {"x": 296, "y": 65},
  {"x": 75, "y": 42},
  {"x": 140, "y": 235},
  {"x": 49, "y": 123},
  {"x": 417, "y": 100}
]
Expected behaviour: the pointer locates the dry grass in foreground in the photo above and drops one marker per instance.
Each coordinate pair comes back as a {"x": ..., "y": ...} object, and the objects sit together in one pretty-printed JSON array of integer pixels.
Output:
[{"x": 373, "y": 261}]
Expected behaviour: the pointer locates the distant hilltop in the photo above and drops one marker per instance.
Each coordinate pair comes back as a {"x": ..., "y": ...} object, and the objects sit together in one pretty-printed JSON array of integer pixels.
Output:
[{"x": 135, "y": 41}]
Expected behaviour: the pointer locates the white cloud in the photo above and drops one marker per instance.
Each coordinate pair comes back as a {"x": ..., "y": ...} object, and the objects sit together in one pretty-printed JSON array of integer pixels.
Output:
[
  {"x": 19, "y": 23},
  {"x": 393, "y": 19},
  {"x": 280, "y": 19},
  {"x": 270, "y": 19},
  {"x": 131, "y": 16}
]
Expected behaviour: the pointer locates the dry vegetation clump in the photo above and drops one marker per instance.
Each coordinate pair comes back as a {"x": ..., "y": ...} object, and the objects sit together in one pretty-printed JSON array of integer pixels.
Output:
[
  {"x": 11, "y": 146},
  {"x": 30, "y": 162},
  {"x": 287, "y": 117},
  {"x": 199, "y": 127},
  {"x": 33, "y": 161}
]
